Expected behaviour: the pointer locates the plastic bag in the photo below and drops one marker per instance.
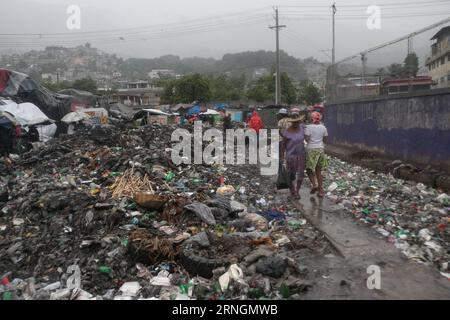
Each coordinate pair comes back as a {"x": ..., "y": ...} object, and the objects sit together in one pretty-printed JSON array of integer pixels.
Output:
[{"x": 283, "y": 180}]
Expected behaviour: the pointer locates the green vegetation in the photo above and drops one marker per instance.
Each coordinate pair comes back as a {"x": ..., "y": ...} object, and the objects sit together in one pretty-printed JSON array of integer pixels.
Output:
[
  {"x": 409, "y": 68},
  {"x": 82, "y": 84},
  {"x": 309, "y": 94}
]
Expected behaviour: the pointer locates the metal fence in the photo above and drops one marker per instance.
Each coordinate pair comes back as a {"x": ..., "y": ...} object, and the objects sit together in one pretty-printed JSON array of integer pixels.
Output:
[{"x": 390, "y": 68}]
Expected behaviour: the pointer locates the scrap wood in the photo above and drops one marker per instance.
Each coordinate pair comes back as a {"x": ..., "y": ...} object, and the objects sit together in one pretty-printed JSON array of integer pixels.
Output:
[
  {"x": 128, "y": 184},
  {"x": 263, "y": 240},
  {"x": 152, "y": 247}
]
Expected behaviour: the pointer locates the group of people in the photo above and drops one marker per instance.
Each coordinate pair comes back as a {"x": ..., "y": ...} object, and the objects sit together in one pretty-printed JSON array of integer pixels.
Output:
[{"x": 302, "y": 147}]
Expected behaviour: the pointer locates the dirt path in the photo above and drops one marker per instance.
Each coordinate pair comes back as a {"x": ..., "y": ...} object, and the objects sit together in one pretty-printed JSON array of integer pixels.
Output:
[{"x": 344, "y": 275}]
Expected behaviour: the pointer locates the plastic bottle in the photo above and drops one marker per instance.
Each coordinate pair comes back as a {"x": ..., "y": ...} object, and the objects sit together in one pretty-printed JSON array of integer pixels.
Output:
[
  {"x": 169, "y": 176},
  {"x": 105, "y": 270}
]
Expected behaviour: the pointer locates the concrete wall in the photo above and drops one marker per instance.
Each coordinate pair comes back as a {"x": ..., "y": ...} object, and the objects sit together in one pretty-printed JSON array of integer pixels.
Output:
[{"x": 412, "y": 127}]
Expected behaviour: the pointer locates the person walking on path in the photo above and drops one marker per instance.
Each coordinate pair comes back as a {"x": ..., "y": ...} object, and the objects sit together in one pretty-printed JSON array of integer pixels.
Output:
[
  {"x": 293, "y": 152},
  {"x": 227, "y": 123},
  {"x": 283, "y": 120},
  {"x": 255, "y": 122},
  {"x": 316, "y": 136}
]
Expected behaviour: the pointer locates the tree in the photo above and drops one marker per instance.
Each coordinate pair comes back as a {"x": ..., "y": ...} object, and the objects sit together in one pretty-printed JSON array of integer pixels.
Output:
[
  {"x": 225, "y": 88},
  {"x": 168, "y": 95},
  {"x": 309, "y": 94},
  {"x": 411, "y": 65},
  {"x": 55, "y": 87},
  {"x": 262, "y": 90},
  {"x": 288, "y": 91},
  {"x": 396, "y": 70},
  {"x": 86, "y": 84},
  {"x": 192, "y": 88}
]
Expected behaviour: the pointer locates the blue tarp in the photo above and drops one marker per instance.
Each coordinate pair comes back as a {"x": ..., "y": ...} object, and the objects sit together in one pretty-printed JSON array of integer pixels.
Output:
[
  {"x": 194, "y": 110},
  {"x": 237, "y": 117},
  {"x": 220, "y": 106},
  {"x": 5, "y": 122}
]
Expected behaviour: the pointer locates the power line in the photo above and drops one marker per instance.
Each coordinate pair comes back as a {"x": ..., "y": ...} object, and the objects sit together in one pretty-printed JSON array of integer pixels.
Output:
[
  {"x": 363, "y": 53},
  {"x": 369, "y": 4},
  {"x": 143, "y": 37},
  {"x": 148, "y": 27},
  {"x": 359, "y": 17}
]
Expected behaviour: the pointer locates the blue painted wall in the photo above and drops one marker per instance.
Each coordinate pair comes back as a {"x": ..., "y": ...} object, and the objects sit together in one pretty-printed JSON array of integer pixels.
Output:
[{"x": 414, "y": 128}]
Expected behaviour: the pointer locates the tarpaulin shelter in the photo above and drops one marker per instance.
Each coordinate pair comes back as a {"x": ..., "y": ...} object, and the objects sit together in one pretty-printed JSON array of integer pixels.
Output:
[
  {"x": 84, "y": 98},
  {"x": 194, "y": 110},
  {"x": 27, "y": 114},
  {"x": 210, "y": 112},
  {"x": 22, "y": 88},
  {"x": 220, "y": 106},
  {"x": 119, "y": 110},
  {"x": 181, "y": 107},
  {"x": 75, "y": 117}
]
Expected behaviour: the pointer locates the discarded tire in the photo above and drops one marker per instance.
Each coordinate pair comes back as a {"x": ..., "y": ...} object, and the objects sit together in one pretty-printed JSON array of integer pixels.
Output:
[{"x": 199, "y": 265}]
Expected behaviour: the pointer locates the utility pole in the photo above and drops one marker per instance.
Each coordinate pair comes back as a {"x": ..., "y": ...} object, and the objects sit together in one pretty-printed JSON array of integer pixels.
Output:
[
  {"x": 277, "y": 28},
  {"x": 332, "y": 70},
  {"x": 410, "y": 51},
  {"x": 333, "y": 7},
  {"x": 364, "y": 68}
]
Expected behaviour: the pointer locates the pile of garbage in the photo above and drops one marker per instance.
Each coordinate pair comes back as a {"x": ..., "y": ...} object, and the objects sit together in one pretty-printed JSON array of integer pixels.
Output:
[
  {"x": 105, "y": 214},
  {"x": 411, "y": 215}
]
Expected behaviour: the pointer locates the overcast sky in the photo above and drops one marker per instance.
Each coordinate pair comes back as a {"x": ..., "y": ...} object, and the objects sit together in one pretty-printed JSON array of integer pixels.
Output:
[{"x": 211, "y": 28}]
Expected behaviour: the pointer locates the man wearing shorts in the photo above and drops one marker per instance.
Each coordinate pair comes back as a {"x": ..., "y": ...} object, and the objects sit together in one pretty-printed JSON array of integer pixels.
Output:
[{"x": 316, "y": 160}]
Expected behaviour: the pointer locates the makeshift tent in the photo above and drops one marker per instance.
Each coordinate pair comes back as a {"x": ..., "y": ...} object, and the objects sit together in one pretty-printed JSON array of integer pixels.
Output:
[
  {"x": 27, "y": 114},
  {"x": 24, "y": 89},
  {"x": 46, "y": 132},
  {"x": 220, "y": 106},
  {"x": 156, "y": 112},
  {"x": 97, "y": 116},
  {"x": 11, "y": 83},
  {"x": 86, "y": 98},
  {"x": 75, "y": 117},
  {"x": 119, "y": 110},
  {"x": 152, "y": 112},
  {"x": 210, "y": 112},
  {"x": 182, "y": 106},
  {"x": 194, "y": 110}
]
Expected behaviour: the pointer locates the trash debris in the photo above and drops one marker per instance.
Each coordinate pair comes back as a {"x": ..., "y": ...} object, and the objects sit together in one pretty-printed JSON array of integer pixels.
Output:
[
  {"x": 137, "y": 226},
  {"x": 406, "y": 213},
  {"x": 203, "y": 212},
  {"x": 225, "y": 190},
  {"x": 272, "y": 266},
  {"x": 234, "y": 273},
  {"x": 130, "y": 289}
]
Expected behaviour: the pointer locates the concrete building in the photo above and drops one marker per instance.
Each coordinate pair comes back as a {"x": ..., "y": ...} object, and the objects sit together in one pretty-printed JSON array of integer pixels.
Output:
[
  {"x": 405, "y": 85},
  {"x": 260, "y": 72},
  {"x": 162, "y": 74},
  {"x": 50, "y": 77},
  {"x": 138, "y": 93},
  {"x": 439, "y": 62}
]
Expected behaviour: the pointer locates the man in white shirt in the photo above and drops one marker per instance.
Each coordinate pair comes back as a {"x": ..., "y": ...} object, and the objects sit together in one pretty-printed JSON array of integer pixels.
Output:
[{"x": 316, "y": 135}]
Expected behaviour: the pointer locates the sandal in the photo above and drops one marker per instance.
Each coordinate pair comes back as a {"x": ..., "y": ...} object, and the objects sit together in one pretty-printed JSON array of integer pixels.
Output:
[
  {"x": 314, "y": 190},
  {"x": 321, "y": 194}
]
